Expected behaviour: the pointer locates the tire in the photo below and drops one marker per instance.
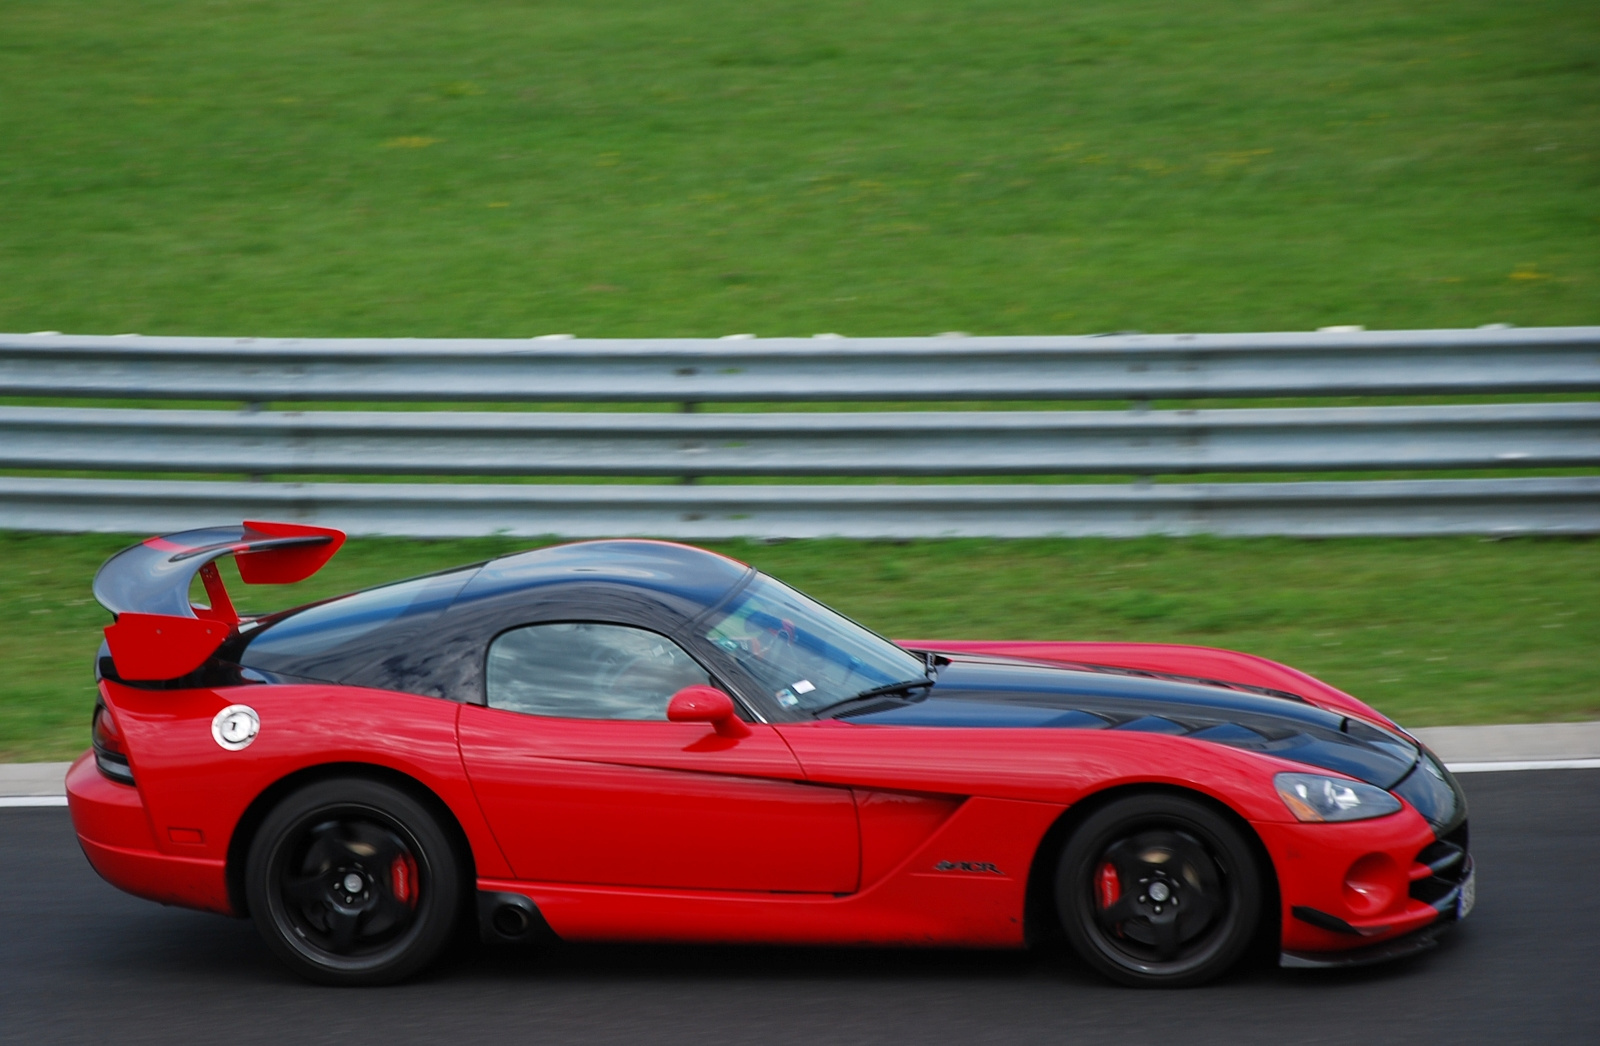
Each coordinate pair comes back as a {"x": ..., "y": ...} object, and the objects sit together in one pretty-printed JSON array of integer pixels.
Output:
[
  {"x": 1158, "y": 891},
  {"x": 353, "y": 882}
]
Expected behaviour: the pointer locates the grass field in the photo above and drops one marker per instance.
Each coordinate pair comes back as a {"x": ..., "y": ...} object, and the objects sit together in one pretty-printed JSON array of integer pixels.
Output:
[
  {"x": 401, "y": 167},
  {"x": 1430, "y": 631},
  {"x": 868, "y": 167}
]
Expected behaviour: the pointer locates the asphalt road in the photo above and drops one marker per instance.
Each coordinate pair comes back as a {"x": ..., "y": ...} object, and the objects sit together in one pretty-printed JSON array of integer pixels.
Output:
[{"x": 81, "y": 962}]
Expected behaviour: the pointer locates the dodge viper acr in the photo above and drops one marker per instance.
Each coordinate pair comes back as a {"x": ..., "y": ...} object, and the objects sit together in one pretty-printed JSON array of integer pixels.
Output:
[{"x": 638, "y": 740}]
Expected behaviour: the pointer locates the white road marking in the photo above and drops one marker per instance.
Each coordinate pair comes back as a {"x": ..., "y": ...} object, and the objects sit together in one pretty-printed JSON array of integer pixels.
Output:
[
  {"x": 33, "y": 800},
  {"x": 1525, "y": 764}
]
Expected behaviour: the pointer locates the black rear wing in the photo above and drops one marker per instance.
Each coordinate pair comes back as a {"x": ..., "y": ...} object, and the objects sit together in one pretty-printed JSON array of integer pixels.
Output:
[{"x": 159, "y": 633}]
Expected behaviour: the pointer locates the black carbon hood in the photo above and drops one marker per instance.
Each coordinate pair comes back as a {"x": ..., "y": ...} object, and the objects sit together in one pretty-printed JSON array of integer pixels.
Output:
[{"x": 996, "y": 692}]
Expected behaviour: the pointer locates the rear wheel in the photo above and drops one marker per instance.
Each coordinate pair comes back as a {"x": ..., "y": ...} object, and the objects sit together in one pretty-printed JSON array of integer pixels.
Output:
[
  {"x": 352, "y": 882},
  {"x": 1158, "y": 891}
]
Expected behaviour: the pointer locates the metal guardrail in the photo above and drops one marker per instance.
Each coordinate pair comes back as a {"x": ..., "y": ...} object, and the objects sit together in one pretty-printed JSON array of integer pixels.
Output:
[
  {"x": 1569, "y": 505},
  {"x": 1137, "y": 442},
  {"x": 1128, "y": 366},
  {"x": 907, "y": 443}
]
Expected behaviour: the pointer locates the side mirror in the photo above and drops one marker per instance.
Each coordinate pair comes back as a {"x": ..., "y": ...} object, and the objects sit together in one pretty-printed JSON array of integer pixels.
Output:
[{"x": 707, "y": 704}]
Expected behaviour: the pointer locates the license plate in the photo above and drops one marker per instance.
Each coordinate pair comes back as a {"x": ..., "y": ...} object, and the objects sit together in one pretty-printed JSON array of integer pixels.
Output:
[{"x": 1469, "y": 895}]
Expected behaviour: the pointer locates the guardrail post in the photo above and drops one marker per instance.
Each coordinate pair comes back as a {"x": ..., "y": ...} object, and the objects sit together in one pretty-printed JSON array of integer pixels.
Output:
[{"x": 688, "y": 407}]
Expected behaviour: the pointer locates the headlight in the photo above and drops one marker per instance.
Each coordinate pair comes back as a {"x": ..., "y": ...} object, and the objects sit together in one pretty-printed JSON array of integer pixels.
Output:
[{"x": 1313, "y": 797}]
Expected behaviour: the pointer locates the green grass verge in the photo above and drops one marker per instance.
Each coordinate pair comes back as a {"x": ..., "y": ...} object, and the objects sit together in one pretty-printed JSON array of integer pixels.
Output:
[
  {"x": 428, "y": 167},
  {"x": 1431, "y": 631},
  {"x": 999, "y": 166}
]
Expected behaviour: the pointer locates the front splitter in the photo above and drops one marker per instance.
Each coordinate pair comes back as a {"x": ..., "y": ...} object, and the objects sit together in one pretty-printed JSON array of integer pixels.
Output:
[{"x": 1387, "y": 951}]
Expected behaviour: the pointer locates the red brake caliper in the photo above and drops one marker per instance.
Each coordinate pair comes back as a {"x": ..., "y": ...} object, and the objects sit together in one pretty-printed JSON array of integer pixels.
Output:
[
  {"x": 1109, "y": 885},
  {"x": 403, "y": 880}
]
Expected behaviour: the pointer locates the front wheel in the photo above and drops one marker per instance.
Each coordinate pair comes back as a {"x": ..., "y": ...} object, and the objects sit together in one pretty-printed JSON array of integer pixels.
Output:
[
  {"x": 353, "y": 882},
  {"x": 1158, "y": 891}
]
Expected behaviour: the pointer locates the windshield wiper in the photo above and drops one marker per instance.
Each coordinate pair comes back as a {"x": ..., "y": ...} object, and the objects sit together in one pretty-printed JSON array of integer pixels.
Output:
[{"x": 878, "y": 691}]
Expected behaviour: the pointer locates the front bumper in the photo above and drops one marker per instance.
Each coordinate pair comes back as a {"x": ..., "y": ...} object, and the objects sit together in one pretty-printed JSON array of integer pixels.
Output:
[
  {"x": 1367, "y": 891},
  {"x": 1451, "y": 909}
]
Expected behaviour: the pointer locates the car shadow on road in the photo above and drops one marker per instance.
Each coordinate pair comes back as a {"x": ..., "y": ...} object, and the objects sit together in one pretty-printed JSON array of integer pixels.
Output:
[{"x": 195, "y": 947}]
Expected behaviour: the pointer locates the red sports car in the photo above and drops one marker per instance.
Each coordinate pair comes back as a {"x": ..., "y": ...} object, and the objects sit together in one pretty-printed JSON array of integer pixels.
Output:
[{"x": 637, "y": 740}]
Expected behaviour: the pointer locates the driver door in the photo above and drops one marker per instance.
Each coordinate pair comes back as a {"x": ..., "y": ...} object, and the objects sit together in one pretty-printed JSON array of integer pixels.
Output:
[{"x": 583, "y": 779}]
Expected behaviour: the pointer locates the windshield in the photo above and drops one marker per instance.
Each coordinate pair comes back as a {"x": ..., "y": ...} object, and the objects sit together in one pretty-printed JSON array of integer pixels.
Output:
[{"x": 803, "y": 654}]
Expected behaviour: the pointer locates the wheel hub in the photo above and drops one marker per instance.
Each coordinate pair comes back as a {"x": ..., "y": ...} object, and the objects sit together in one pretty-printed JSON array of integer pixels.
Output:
[
  {"x": 351, "y": 887},
  {"x": 1168, "y": 891}
]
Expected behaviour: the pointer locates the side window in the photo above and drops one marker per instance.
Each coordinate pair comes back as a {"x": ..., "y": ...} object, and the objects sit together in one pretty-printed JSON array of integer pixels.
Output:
[{"x": 588, "y": 671}]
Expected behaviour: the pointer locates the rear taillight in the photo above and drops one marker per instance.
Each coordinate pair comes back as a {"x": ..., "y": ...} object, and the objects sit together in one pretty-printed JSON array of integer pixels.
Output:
[
  {"x": 110, "y": 754},
  {"x": 106, "y": 737}
]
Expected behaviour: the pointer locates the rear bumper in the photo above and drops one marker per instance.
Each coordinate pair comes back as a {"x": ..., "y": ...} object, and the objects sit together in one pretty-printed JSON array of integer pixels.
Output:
[{"x": 115, "y": 833}]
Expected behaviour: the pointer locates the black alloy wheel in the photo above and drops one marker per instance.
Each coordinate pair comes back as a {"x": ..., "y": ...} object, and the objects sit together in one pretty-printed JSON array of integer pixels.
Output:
[
  {"x": 1158, "y": 890},
  {"x": 352, "y": 882}
]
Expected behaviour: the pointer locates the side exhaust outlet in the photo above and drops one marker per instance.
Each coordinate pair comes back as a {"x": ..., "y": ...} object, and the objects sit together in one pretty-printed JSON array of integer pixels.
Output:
[{"x": 510, "y": 918}]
